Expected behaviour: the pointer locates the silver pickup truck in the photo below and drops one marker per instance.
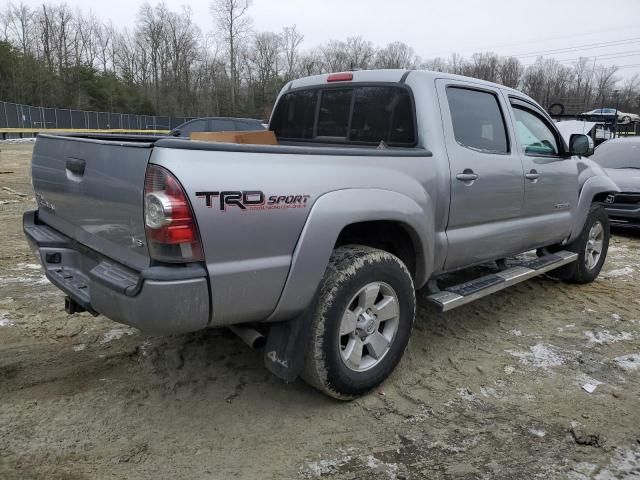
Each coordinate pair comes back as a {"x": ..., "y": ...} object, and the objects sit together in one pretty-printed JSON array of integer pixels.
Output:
[{"x": 383, "y": 182}]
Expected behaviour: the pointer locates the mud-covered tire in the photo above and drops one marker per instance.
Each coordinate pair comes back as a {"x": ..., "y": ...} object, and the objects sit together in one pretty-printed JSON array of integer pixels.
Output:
[
  {"x": 351, "y": 269},
  {"x": 579, "y": 271}
]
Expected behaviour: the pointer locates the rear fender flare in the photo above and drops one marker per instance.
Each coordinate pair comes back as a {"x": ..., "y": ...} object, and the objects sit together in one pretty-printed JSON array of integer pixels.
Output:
[{"x": 329, "y": 215}]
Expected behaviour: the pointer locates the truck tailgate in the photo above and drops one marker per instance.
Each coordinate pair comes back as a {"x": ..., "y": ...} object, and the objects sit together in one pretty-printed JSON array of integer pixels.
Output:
[{"x": 91, "y": 190}]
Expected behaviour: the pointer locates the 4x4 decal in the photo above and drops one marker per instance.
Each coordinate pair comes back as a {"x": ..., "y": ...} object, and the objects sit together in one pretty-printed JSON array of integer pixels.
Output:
[{"x": 252, "y": 200}]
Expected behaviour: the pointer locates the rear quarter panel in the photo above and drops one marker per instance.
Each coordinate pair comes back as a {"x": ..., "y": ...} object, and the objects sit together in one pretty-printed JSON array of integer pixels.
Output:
[{"x": 249, "y": 251}]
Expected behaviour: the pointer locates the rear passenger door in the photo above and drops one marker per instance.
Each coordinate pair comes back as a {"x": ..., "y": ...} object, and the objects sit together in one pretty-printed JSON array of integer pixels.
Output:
[
  {"x": 486, "y": 174},
  {"x": 551, "y": 177}
]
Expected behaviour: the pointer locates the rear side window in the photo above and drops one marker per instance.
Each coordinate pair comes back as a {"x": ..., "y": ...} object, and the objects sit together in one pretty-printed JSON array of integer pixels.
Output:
[
  {"x": 477, "y": 120},
  {"x": 365, "y": 115}
]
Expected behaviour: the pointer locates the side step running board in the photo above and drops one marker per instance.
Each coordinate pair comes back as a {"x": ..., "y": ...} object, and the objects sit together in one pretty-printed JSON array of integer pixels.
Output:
[{"x": 467, "y": 292}]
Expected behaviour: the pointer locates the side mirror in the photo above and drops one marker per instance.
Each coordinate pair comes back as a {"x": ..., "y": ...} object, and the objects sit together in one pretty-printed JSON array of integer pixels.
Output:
[
  {"x": 581, "y": 145},
  {"x": 175, "y": 132}
]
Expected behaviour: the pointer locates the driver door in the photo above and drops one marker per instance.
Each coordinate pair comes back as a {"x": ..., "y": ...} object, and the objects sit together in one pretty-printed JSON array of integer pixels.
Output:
[{"x": 550, "y": 177}]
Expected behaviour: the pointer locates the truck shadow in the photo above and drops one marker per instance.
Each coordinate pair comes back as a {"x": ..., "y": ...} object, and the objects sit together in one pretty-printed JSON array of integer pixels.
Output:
[{"x": 626, "y": 232}]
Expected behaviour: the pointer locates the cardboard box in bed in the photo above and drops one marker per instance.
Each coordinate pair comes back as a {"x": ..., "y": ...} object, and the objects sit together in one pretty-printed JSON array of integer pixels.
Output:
[{"x": 255, "y": 137}]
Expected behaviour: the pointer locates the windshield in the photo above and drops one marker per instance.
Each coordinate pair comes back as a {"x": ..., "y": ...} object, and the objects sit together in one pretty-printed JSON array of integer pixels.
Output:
[{"x": 618, "y": 154}]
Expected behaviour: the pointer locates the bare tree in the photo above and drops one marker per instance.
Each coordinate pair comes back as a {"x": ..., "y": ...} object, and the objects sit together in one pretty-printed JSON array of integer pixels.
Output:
[
  {"x": 510, "y": 72},
  {"x": 234, "y": 23},
  {"x": 396, "y": 55},
  {"x": 291, "y": 41}
]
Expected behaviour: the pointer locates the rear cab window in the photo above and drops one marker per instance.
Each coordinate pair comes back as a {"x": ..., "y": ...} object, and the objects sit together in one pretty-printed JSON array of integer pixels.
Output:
[{"x": 358, "y": 115}]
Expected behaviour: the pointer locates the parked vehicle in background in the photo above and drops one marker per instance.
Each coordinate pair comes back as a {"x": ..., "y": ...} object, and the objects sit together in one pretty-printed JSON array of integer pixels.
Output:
[
  {"x": 382, "y": 182},
  {"x": 599, "y": 132},
  {"x": 217, "y": 124},
  {"x": 610, "y": 113},
  {"x": 620, "y": 159}
]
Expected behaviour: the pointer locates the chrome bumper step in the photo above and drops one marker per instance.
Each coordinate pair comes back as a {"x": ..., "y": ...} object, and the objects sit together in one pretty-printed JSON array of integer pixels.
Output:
[{"x": 467, "y": 292}]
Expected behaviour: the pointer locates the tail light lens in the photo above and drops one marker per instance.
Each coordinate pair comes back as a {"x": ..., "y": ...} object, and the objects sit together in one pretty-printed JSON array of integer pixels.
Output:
[{"x": 172, "y": 233}]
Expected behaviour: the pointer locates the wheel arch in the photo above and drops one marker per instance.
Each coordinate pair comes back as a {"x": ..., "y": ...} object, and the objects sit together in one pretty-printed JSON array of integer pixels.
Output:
[
  {"x": 595, "y": 189},
  {"x": 355, "y": 214}
]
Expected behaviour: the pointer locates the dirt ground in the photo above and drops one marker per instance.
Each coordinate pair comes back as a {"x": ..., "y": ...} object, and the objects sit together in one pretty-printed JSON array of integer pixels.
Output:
[{"x": 490, "y": 390}]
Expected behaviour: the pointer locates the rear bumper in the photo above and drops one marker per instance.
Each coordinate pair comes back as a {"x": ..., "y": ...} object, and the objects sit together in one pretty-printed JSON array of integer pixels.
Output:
[{"x": 158, "y": 300}]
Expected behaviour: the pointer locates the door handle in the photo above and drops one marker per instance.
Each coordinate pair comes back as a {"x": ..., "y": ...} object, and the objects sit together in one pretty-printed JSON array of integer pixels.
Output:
[
  {"x": 467, "y": 175},
  {"x": 533, "y": 175}
]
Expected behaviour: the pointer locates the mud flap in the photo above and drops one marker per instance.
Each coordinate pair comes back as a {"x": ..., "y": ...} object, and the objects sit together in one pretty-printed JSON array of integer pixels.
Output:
[{"x": 287, "y": 344}]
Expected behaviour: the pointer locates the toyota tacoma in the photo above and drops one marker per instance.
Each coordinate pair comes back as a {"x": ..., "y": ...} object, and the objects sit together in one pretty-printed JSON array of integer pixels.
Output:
[{"x": 382, "y": 182}]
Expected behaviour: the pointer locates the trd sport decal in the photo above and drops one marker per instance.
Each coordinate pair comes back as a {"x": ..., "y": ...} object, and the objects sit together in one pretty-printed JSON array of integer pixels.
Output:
[{"x": 252, "y": 200}]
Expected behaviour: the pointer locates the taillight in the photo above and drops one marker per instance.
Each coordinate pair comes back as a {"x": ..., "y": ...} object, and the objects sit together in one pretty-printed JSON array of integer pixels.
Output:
[{"x": 172, "y": 233}]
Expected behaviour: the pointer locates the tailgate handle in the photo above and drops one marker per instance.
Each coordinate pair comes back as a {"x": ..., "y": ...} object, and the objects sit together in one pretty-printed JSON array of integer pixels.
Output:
[{"x": 76, "y": 165}]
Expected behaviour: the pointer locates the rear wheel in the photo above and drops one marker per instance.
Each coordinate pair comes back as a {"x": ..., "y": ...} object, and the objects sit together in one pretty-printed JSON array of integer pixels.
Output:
[
  {"x": 591, "y": 246},
  {"x": 362, "y": 322}
]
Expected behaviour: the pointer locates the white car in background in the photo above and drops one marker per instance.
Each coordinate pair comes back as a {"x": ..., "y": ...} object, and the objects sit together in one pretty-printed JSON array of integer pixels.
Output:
[{"x": 610, "y": 112}]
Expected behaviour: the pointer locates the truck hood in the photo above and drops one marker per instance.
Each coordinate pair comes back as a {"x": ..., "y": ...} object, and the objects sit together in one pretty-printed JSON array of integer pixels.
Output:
[{"x": 627, "y": 179}]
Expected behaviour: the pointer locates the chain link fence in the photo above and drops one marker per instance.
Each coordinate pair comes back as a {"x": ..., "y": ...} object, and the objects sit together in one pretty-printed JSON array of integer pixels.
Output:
[{"x": 14, "y": 115}]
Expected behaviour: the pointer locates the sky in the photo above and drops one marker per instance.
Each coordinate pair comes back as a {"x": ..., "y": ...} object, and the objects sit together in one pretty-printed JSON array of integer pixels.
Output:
[{"x": 442, "y": 27}]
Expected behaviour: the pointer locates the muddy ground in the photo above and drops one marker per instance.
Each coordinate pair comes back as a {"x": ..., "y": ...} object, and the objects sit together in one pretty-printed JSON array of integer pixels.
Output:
[{"x": 491, "y": 390}]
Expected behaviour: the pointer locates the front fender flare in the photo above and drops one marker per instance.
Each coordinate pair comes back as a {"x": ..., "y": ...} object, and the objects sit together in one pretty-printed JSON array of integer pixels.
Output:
[
  {"x": 592, "y": 187},
  {"x": 329, "y": 215}
]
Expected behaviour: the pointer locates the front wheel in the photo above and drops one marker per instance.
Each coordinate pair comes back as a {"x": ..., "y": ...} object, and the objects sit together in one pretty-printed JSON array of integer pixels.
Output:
[
  {"x": 591, "y": 246},
  {"x": 361, "y": 323}
]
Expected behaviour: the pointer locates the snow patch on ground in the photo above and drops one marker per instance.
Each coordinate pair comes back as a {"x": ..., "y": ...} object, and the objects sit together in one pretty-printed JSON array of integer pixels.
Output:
[
  {"x": 390, "y": 470},
  {"x": 628, "y": 362},
  {"x": 625, "y": 463},
  {"x": 538, "y": 432},
  {"x": 540, "y": 356},
  {"x": 605, "y": 337},
  {"x": 516, "y": 333},
  {"x": 619, "y": 272},
  {"x": 326, "y": 467},
  {"x": 25, "y": 280},
  {"x": 4, "y": 320},
  {"x": 28, "y": 266},
  {"x": 116, "y": 334},
  {"x": 78, "y": 348},
  {"x": 466, "y": 393}
]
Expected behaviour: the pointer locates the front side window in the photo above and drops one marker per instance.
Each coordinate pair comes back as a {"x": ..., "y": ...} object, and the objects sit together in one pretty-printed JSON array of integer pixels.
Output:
[
  {"x": 535, "y": 136},
  {"x": 361, "y": 115},
  {"x": 477, "y": 120}
]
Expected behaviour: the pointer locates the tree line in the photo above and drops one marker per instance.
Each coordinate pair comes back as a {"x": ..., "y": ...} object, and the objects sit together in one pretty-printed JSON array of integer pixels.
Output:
[{"x": 165, "y": 64}]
